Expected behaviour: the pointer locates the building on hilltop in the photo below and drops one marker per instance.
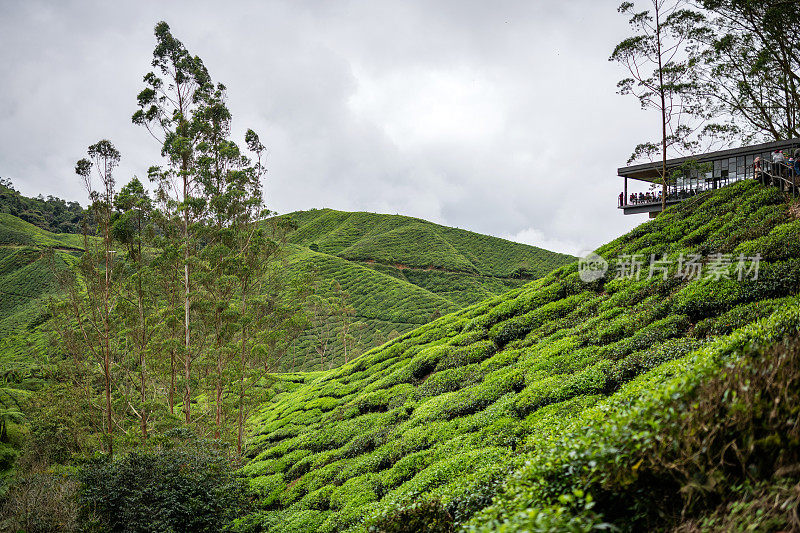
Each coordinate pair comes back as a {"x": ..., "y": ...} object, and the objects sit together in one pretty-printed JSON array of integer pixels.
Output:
[{"x": 693, "y": 174}]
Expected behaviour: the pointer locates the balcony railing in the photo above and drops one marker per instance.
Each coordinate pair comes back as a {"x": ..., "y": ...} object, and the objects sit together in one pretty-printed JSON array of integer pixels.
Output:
[{"x": 779, "y": 174}]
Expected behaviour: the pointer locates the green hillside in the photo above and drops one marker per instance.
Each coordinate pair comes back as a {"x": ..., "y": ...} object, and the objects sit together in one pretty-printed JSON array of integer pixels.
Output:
[
  {"x": 27, "y": 281},
  {"x": 558, "y": 406},
  {"x": 400, "y": 272},
  {"x": 397, "y": 240},
  {"x": 14, "y": 231},
  {"x": 386, "y": 300}
]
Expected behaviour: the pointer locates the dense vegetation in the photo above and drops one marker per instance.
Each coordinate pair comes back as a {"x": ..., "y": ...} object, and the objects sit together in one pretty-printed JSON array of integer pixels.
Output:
[
  {"x": 51, "y": 213},
  {"x": 37, "y": 368},
  {"x": 386, "y": 301},
  {"x": 552, "y": 407}
]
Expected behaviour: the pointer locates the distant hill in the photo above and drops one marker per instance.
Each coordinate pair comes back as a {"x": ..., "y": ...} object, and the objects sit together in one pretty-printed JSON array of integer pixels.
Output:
[
  {"x": 663, "y": 403},
  {"x": 398, "y": 273},
  {"x": 401, "y": 272},
  {"x": 51, "y": 213}
]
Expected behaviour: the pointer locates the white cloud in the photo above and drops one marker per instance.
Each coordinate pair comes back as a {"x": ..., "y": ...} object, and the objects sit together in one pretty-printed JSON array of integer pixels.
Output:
[
  {"x": 535, "y": 237},
  {"x": 498, "y": 117},
  {"x": 419, "y": 106}
]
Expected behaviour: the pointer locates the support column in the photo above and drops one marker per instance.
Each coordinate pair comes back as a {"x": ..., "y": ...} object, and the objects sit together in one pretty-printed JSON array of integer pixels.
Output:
[{"x": 625, "y": 197}]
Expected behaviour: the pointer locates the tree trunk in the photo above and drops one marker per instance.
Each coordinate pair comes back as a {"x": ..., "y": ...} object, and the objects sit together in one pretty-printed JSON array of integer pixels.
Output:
[
  {"x": 187, "y": 360},
  {"x": 106, "y": 331},
  {"x": 142, "y": 357},
  {"x": 242, "y": 370},
  {"x": 663, "y": 115},
  {"x": 218, "y": 391},
  {"x": 143, "y": 332}
]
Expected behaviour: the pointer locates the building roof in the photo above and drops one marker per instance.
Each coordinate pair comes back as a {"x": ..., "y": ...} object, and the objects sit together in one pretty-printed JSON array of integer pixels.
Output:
[{"x": 650, "y": 171}]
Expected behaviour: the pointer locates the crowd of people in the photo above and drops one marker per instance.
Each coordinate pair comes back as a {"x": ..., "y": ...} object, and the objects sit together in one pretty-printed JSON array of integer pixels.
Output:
[
  {"x": 781, "y": 166},
  {"x": 783, "y": 171},
  {"x": 655, "y": 197}
]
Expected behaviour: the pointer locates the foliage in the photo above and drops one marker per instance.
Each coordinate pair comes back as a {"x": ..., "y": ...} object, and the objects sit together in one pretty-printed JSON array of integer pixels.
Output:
[
  {"x": 50, "y": 214},
  {"x": 415, "y": 517},
  {"x": 40, "y": 502},
  {"x": 749, "y": 69},
  {"x": 685, "y": 451},
  {"x": 399, "y": 272},
  {"x": 502, "y": 393},
  {"x": 166, "y": 490},
  {"x": 661, "y": 72}
]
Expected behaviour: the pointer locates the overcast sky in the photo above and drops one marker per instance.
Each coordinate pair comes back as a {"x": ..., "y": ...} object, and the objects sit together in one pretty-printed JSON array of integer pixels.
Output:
[{"x": 500, "y": 117}]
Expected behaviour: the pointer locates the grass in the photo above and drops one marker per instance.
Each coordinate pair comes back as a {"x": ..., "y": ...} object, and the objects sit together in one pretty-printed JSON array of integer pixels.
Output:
[{"x": 497, "y": 415}]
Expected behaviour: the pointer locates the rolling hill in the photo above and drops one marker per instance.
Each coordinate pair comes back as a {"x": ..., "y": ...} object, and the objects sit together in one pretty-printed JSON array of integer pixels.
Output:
[
  {"x": 562, "y": 405},
  {"x": 397, "y": 272},
  {"x": 400, "y": 272}
]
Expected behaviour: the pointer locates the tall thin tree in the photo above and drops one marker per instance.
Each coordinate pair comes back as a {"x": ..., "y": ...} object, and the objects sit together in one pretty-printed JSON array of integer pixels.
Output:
[
  {"x": 166, "y": 107},
  {"x": 93, "y": 308},
  {"x": 661, "y": 72}
]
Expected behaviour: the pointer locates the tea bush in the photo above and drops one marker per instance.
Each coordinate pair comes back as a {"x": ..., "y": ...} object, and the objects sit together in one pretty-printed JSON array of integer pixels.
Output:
[{"x": 532, "y": 410}]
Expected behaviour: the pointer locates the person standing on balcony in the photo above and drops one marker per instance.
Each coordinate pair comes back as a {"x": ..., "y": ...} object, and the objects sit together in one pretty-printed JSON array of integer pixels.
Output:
[
  {"x": 778, "y": 163},
  {"x": 758, "y": 175}
]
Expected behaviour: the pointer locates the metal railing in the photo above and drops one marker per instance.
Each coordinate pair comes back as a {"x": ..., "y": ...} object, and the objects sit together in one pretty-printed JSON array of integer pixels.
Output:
[
  {"x": 651, "y": 198},
  {"x": 778, "y": 174}
]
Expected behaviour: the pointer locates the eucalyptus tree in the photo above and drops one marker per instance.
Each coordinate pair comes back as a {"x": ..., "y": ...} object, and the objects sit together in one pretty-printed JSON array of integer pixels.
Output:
[
  {"x": 225, "y": 186},
  {"x": 238, "y": 309},
  {"x": 660, "y": 58},
  {"x": 133, "y": 229},
  {"x": 174, "y": 91},
  {"x": 250, "y": 313},
  {"x": 272, "y": 310},
  {"x": 91, "y": 295}
]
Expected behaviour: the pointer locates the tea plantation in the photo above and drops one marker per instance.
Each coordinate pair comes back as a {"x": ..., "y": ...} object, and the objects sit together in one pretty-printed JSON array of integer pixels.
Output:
[
  {"x": 386, "y": 300},
  {"x": 403, "y": 241},
  {"x": 26, "y": 284},
  {"x": 561, "y": 405},
  {"x": 400, "y": 272}
]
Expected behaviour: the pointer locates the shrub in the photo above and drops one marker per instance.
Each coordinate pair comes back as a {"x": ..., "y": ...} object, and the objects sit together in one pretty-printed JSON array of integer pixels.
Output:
[
  {"x": 518, "y": 326},
  {"x": 707, "y": 297},
  {"x": 774, "y": 281},
  {"x": 472, "y": 353},
  {"x": 735, "y": 318},
  {"x": 650, "y": 335},
  {"x": 166, "y": 490},
  {"x": 449, "y": 380},
  {"x": 642, "y": 361},
  {"x": 40, "y": 502},
  {"x": 425, "y": 516}
]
